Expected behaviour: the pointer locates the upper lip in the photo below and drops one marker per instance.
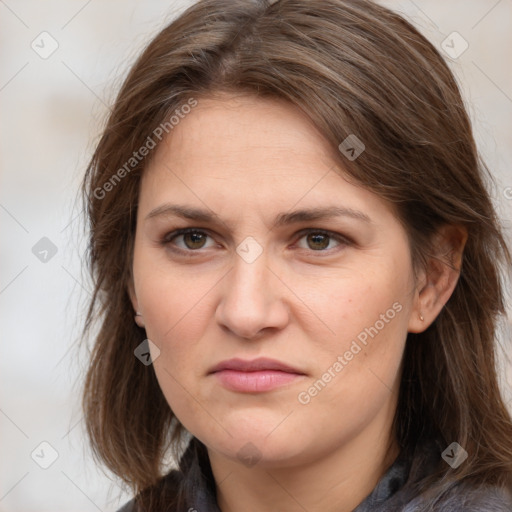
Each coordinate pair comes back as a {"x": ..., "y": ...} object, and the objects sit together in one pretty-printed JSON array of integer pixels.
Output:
[{"x": 262, "y": 363}]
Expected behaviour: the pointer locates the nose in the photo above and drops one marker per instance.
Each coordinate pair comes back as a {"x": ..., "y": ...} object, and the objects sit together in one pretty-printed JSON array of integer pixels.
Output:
[{"x": 252, "y": 301}]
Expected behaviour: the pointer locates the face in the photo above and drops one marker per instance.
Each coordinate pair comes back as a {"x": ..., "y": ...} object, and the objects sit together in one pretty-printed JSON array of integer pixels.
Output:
[{"x": 282, "y": 259}]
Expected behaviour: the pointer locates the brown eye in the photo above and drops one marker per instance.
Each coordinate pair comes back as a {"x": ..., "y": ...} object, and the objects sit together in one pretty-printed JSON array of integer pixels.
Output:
[
  {"x": 318, "y": 241},
  {"x": 194, "y": 240},
  {"x": 321, "y": 241},
  {"x": 187, "y": 240}
]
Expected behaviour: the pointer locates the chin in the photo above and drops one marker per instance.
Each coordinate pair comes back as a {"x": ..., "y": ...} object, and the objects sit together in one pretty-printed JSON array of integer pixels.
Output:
[{"x": 256, "y": 448}]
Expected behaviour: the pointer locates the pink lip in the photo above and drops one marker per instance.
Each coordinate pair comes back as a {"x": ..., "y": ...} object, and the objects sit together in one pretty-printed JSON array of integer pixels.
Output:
[
  {"x": 254, "y": 376},
  {"x": 262, "y": 363}
]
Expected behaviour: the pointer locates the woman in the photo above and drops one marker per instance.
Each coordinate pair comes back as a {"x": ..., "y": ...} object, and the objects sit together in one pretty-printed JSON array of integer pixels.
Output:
[{"x": 297, "y": 271}]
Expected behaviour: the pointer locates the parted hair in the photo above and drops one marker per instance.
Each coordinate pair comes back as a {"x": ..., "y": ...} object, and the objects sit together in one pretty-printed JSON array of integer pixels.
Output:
[{"x": 353, "y": 67}]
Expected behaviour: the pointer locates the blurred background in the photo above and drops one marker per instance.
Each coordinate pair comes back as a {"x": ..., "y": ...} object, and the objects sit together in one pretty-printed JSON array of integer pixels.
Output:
[{"x": 62, "y": 62}]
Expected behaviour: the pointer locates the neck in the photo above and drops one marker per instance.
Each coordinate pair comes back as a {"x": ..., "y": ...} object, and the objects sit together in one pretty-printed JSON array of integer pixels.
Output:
[{"x": 337, "y": 481}]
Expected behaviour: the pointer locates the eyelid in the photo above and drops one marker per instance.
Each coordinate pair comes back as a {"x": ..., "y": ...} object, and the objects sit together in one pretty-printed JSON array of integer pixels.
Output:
[
  {"x": 341, "y": 239},
  {"x": 333, "y": 234},
  {"x": 169, "y": 237}
]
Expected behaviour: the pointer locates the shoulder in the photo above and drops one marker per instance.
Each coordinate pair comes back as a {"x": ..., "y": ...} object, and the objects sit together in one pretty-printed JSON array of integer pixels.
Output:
[
  {"x": 454, "y": 496},
  {"x": 163, "y": 494},
  {"x": 465, "y": 497},
  {"x": 477, "y": 499}
]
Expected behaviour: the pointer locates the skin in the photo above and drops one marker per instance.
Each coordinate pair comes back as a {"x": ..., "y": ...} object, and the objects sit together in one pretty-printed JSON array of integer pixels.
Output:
[{"x": 302, "y": 301}]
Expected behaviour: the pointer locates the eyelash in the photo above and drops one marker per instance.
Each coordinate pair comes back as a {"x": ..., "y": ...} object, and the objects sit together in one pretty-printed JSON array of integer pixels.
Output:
[{"x": 169, "y": 237}]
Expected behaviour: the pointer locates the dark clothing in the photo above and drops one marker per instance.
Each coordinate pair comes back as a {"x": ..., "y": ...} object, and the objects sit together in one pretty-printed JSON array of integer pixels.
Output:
[{"x": 401, "y": 489}]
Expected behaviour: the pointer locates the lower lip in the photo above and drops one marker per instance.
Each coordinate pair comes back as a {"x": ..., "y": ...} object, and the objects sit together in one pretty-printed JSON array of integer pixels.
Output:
[{"x": 255, "y": 382}]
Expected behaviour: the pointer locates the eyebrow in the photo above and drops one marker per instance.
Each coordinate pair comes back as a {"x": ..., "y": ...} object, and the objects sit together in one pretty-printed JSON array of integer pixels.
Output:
[{"x": 283, "y": 219}]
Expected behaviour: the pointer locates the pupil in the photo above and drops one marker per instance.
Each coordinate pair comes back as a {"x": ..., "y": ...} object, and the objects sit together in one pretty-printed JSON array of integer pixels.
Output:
[
  {"x": 317, "y": 238},
  {"x": 195, "y": 238}
]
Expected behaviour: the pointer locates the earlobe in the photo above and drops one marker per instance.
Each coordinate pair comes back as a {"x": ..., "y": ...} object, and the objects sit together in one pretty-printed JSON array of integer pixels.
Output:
[
  {"x": 135, "y": 304},
  {"x": 138, "y": 319},
  {"x": 440, "y": 277}
]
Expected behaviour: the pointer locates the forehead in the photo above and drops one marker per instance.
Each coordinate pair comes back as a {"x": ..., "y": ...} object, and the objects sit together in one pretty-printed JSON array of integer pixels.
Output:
[
  {"x": 245, "y": 133},
  {"x": 249, "y": 152}
]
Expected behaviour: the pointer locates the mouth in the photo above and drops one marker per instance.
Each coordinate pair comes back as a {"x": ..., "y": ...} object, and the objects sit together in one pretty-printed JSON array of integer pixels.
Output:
[{"x": 256, "y": 376}]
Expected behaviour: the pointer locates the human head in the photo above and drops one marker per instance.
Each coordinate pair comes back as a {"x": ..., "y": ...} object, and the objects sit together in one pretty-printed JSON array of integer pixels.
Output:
[{"x": 352, "y": 67}]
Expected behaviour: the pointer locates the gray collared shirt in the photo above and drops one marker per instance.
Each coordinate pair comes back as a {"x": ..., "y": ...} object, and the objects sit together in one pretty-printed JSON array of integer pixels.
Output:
[{"x": 401, "y": 489}]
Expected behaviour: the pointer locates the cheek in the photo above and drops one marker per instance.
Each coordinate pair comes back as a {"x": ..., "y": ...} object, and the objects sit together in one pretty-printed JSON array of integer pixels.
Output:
[
  {"x": 173, "y": 298},
  {"x": 177, "y": 310},
  {"x": 360, "y": 363},
  {"x": 357, "y": 377},
  {"x": 176, "y": 315},
  {"x": 353, "y": 303}
]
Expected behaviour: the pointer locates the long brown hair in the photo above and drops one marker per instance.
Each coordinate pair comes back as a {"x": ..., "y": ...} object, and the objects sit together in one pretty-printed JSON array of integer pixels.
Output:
[{"x": 353, "y": 67}]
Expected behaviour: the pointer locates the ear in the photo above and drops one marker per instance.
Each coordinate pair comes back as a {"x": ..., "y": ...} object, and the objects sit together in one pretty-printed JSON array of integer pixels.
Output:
[
  {"x": 439, "y": 278},
  {"x": 135, "y": 303}
]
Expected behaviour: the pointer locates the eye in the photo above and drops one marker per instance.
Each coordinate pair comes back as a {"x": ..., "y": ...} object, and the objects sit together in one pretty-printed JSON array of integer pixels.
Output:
[
  {"x": 191, "y": 238},
  {"x": 320, "y": 241}
]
